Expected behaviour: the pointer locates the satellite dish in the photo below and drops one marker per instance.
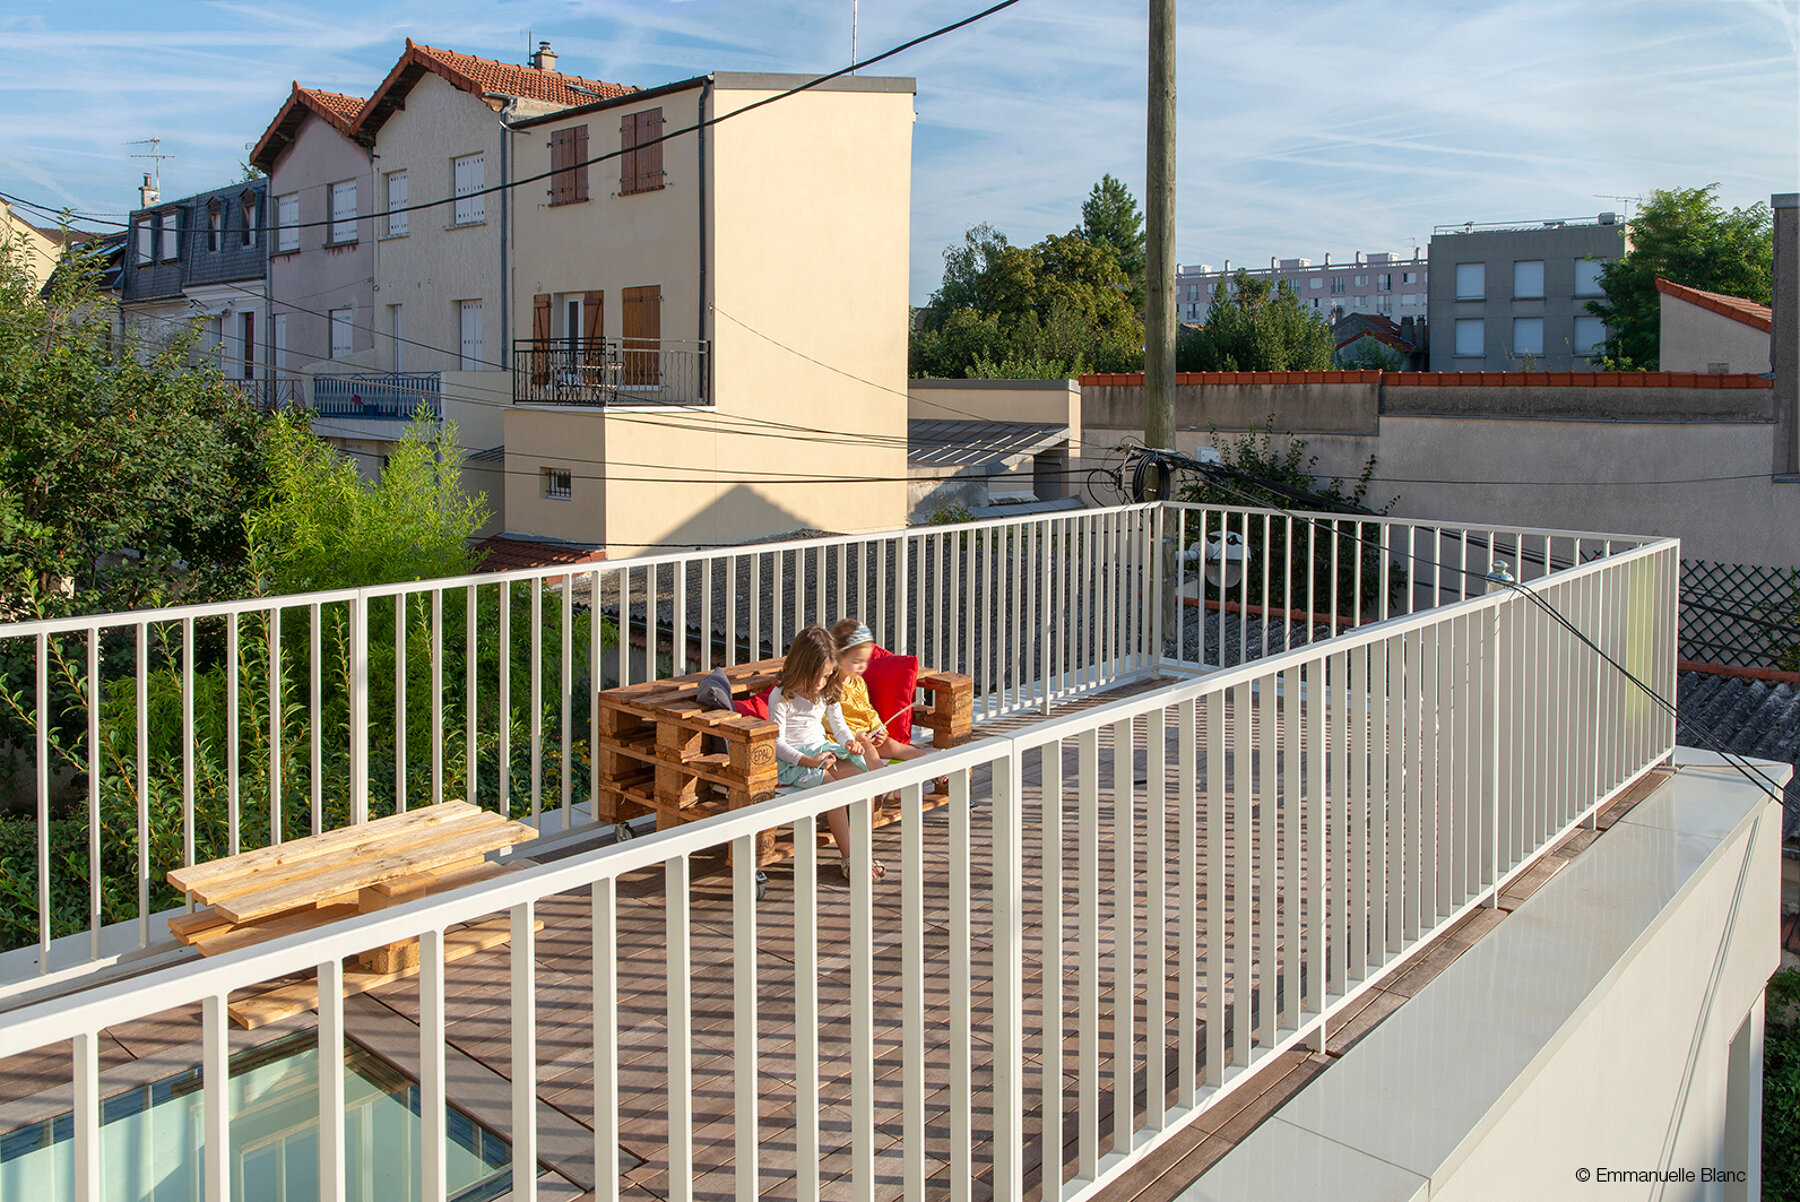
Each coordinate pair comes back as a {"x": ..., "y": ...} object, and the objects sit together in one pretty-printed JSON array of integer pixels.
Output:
[{"x": 1226, "y": 557}]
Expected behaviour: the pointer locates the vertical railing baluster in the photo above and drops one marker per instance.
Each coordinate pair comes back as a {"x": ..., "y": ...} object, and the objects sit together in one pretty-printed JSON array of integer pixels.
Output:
[
  {"x": 1088, "y": 899},
  {"x": 275, "y": 774},
  {"x": 1243, "y": 781},
  {"x": 85, "y": 1055},
  {"x": 215, "y": 1099},
  {"x": 912, "y": 991},
  {"x": 1213, "y": 831},
  {"x": 1009, "y": 986},
  {"x": 523, "y": 1059},
  {"x": 806, "y": 1010},
  {"x": 1315, "y": 828},
  {"x": 233, "y": 827},
  {"x": 1267, "y": 555},
  {"x": 1267, "y": 959},
  {"x": 359, "y": 709},
  {"x": 143, "y": 784},
  {"x": 604, "y": 960},
  {"x": 680, "y": 1020},
  {"x": 962, "y": 1140},
  {"x": 400, "y": 702},
  {"x": 746, "y": 1062},
  {"x": 1187, "y": 885},
  {"x": 315, "y": 721},
  {"x": 567, "y": 747},
  {"x": 41, "y": 738},
  {"x": 471, "y": 659},
  {"x": 1052, "y": 937},
  {"x": 96, "y": 916},
  {"x": 1356, "y": 795},
  {"x": 437, "y": 695},
  {"x": 332, "y": 1150},
  {"x": 1124, "y": 911},
  {"x": 1156, "y": 936},
  {"x": 862, "y": 1002},
  {"x": 537, "y": 688},
  {"x": 434, "y": 1135}
]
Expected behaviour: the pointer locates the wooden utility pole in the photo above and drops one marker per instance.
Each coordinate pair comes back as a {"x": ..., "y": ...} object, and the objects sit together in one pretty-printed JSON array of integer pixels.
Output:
[{"x": 1159, "y": 236}]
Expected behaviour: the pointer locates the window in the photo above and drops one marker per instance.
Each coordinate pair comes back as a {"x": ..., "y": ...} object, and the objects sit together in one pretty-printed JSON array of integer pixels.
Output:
[
  {"x": 568, "y": 159},
  {"x": 396, "y": 199},
  {"x": 396, "y": 337},
  {"x": 1193, "y": 293},
  {"x": 1471, "y": 337},
  {"x": 469, "y": 319},
  {"x": 1384, "y": 283},
  {"x": 280, "y": 340},
  {"x": 1315, "y": 282},
  {"x": 341, "y": 333},
  {"x": 641, "y": 166},
  {"x": 1337, "y": 285},
  {"x": 146, "y": 241},
  {"x": 247, "y": 202},
  {"x": 557, "y": 483},
  {"x": 1590, "y": 336},
  {"x": 171, "y": 235},
  {"x": 1362, "y": 281},
  {"x": 642, "y": 329},
  {"x": 1409, "y": 277},
  {"x": 1361, "y": 302},
  {"x": 1587, "y": 277},
  {"x": 343, "y": 212},
  {"x": 215, "y": 224},
  {"x": 1410, "y": 300},
  {"x": 572, "y": 324},
  {"x": 469, "y": 175},
  {"x": 1471, "y": 281},
  {"x": 1528, "y": 279},
  {"x": 287, "y": 222},
  {"x": 247, "y": 343},
  {"x": 1528, "y": 335}
]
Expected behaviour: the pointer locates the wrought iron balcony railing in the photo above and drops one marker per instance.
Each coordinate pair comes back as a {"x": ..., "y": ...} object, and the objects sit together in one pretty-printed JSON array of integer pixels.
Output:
[
  {"x": 394, "y": 396},
  {"x": 610, "y": 371}
]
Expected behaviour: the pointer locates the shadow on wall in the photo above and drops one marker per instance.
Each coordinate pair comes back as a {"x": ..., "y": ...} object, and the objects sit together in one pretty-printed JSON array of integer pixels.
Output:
[{"x": 740, "y": 514}]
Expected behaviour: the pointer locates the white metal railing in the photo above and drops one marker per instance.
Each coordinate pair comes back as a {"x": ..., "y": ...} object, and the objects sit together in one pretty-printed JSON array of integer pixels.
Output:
[
  {"x": 156, "y": 739},
  {"x": 1270, "y": 840}
]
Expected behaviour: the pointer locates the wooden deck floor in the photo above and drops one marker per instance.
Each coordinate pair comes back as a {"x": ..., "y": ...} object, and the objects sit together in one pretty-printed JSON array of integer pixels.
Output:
[{"x": 478, "y": 1032}]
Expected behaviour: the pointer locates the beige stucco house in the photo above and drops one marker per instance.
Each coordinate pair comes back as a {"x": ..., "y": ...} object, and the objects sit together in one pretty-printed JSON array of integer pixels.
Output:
[
  {"x": 689, "y": 314},
  {"x": 1711, "y": 332},
  {"x": 41, "y": 249}
]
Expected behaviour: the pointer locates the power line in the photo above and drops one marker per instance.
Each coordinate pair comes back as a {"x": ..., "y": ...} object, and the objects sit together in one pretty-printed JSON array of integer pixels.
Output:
[{"x": 808, "y": 85}]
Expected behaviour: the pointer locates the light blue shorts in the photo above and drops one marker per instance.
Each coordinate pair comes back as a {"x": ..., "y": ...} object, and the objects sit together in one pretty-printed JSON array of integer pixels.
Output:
[{"x": 797, "y": 777}]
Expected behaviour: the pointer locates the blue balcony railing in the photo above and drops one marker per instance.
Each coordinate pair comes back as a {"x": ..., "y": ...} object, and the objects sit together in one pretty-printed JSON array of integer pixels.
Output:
[{"x": 395, "y": 396}]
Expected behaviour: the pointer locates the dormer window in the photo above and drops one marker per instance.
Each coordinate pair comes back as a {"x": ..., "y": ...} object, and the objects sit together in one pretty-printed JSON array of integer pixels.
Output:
[
  {"x": 247, "y": 202},
  {"x": 215, "y": 224}
]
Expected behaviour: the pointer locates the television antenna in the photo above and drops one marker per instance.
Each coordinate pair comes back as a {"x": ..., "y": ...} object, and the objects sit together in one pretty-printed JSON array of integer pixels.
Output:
[
  {"x": 156, "y": 154},
  {"x": 1624, "y": 200}
]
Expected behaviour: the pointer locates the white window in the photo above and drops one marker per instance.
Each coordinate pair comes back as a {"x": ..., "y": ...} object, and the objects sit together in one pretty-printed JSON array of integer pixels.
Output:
[
  {"x": 1471, "y": 335},
  {"x": 396, "y": 200},
  {"x": 1590, "y": 336},
  {"x": 343, "y": 211},
  {"x": 1587, "y": 276},
  {"x": 558, "y": 484},
  {"x": 1362, "y": 281},
  {"x": 287, "y": 222},
  {"x": 1410, "y": 300},
  {"x": 171, "y": 235},
  {"x": 470, "y": 321},
  {"x": 1384, "y": 282},
  {"x": 1337, "y": 285},
  {"x": 1528, "y": 279},
  {"x": 247, "y": 342},
  {"x": 146, "y": 241},
  {"x": 1528, "y": 335},
  {"x": 469, "y": 176},
  {"x": 1409, "y": 277},
  {"x": 280, "y": 340},
  {"x": 1471, "y": 281},
  {"x": 215, "y": 224},
  {"x": 396, "y": 336},
  {"x": 1361, "y": 302},
  {"x": 340, "y": 333}
]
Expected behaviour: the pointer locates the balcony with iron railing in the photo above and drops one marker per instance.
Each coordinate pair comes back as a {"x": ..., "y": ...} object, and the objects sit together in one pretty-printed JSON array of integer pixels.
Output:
[
  {"x": 269, "y": 393},
  {"x": 1234, "y": 769},
  {"x": 380, "y": 396},
  {"x": 610, "y": 371}
]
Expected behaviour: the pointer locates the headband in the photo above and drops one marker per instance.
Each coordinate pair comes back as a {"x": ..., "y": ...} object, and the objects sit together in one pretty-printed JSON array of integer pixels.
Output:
[{"x": 857, "y": 638}]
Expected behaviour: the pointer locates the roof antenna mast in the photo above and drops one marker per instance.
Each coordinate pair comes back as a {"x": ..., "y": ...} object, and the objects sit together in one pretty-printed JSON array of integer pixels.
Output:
[
  {"x": 853, "y": 4},
  {"x": 156, "y": 154}
]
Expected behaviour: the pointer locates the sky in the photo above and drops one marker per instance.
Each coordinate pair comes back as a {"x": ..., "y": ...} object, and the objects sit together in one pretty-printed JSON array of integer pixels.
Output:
[{"x": 1304, "y": 126}]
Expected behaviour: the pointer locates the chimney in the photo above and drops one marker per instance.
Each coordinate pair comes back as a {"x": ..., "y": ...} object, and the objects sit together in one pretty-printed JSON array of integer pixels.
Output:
[
  {"x": 545, "y": 58},
  {"x": 147, "y": 193},
  {"x": 1359, "y": 258},
  {"x": 1784, "y": 331}
]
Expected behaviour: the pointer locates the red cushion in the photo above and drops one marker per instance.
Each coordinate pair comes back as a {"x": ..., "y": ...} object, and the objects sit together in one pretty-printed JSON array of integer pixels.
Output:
[
  {"x": 892, "y": 681},
  {"x": 755, "y": 707}
]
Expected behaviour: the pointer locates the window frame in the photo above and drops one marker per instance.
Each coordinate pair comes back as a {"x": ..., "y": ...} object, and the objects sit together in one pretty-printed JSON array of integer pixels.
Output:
[
  {"x": 1469, "y": 323},
  {"x": 1595, "y": 349},
  {"x": 1526, "y": 323},
  {"x": 559, "y": 484},
  {"x": 397, "y": 225},
  {"x": 287, "y": 232},
  {"x": 1527, "y": 264},
  {"x": 640, "y": 165},
  {"x": 169, "y": 224},
  {"x": 342, "y": 319},
  {"x": 1599, "y": 265},
  {"x": 468, "y": 208},
  {"x": 339, "y": 219},
  {"x": 465, "y": 361},
  {"x": 215, "y": 225},
  {"x": 1480, "y": 268}
]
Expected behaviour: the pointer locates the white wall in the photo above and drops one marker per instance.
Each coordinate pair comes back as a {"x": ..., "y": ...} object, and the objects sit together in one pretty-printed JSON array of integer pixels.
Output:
[{"x": 1695, "y": 338}]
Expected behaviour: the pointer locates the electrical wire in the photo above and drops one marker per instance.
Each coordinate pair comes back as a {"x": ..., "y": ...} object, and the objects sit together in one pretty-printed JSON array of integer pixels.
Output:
[{"x": 707, "y": 123}]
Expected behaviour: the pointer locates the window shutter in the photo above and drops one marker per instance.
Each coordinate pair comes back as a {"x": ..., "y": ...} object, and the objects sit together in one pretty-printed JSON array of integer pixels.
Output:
[
  {"x": 578, "y": 152},
  {"x": 540, "y": 338},
  {"x": 593, "y": 328},
  {"x": 628, "y": 160},
  {"x": 559, "y": 166},
  {"x": 642, "y": 317},
  {"x": 650, "y": 159}
]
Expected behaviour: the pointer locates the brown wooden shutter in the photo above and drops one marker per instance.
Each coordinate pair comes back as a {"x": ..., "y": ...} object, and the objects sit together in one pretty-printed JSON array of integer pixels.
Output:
[
  {"x": 540, "y": 338},
  {"x": 578, "y": 155},
  {"x": 650, "y": 159},
  {"x": 559, "y": 166},
  {"x": 642, "y": 318},
  {"x": 593, "y": 322},
  {"x": 628, "y": 160}
]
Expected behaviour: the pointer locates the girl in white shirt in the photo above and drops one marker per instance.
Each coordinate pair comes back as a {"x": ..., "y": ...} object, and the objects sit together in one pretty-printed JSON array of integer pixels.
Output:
[{"x": 802, "y": 706}]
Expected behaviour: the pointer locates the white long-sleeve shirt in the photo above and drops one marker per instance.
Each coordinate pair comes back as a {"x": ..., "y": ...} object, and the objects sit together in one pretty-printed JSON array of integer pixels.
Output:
[{"x": 801, "y": 723}]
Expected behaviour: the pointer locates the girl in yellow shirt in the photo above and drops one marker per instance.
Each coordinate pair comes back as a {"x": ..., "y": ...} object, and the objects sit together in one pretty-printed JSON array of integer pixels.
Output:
[{"x": 855, "y": 647}]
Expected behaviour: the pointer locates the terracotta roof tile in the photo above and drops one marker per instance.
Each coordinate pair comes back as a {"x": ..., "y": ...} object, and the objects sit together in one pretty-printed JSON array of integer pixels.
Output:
[
  {"x": 334, "y": 108},
  {"x": 500, "y": 553},
  {"x": 478, "y": 74},
  {"x": 339, "y": 109},
  {"x": 1737, "y": 308}
]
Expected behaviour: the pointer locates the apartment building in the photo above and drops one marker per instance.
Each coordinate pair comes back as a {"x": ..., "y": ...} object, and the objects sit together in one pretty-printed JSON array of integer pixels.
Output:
[
  {"x": 201, "y": 259},
  {"x": 1379, "y": 283},
  {"x": 690, "y": 313},
  {"x": 1511, "y": 295}
]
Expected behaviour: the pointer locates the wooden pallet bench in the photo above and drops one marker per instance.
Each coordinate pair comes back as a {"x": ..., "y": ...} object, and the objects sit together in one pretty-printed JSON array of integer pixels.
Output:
[
  {"x": 661, "y": 753},
  {"x": 308, "y": 883}
]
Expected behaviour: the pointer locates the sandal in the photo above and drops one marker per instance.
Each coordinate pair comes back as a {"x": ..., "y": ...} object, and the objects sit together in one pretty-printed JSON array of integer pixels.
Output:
[{"x": 877, "y": 870}]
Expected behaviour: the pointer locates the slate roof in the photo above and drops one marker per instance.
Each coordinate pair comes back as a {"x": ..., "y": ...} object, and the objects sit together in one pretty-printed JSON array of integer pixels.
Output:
[{"x": 1756, "y": 718}]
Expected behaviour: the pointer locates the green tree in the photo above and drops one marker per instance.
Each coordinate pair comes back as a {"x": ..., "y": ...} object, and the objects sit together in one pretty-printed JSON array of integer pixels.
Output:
[
  {"x": 125, "y": 465},
  {"x": 1686, "y": 236},
  {"x": 320, "y": 525},
  {"x": 1257, "y": 327},
  {"x": 1110, "y": 217}
]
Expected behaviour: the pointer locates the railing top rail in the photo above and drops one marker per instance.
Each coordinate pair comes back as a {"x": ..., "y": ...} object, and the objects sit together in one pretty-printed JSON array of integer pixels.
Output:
[
  {"x": 188, "y": 981},
  {"x": 1391, "y": 520}
]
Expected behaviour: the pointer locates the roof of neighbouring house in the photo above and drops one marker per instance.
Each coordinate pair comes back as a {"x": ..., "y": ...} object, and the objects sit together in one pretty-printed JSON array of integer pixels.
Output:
[
  {"x": 481, "y": 77},
  {"x": 972, "y": 444},
  {"x": 1371, "y": 325},
  {"x": 1737, "y": 308},
  {"x": 1756, "y": 718},
  {"x": 334, "y": 108},
  {"x": 505, "y": 552}
]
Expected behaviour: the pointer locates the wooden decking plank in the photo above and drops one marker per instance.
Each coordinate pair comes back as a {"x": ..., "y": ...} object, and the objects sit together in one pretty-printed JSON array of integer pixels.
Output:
[{"x": 230, "y": 937}]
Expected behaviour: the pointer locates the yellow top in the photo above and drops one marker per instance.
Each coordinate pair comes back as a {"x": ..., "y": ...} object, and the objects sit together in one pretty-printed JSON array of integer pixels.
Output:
[{"x": 859, "y": 713}]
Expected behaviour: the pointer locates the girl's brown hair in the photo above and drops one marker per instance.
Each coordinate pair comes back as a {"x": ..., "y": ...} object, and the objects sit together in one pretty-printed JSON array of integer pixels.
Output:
[
  {"x": 810, "y": 655},
  {"x": 842, "y": 629}
]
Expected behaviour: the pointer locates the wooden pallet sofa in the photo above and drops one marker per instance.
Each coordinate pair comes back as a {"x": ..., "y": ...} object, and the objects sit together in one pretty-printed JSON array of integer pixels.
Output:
[{"x": 661, "y": 753}]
